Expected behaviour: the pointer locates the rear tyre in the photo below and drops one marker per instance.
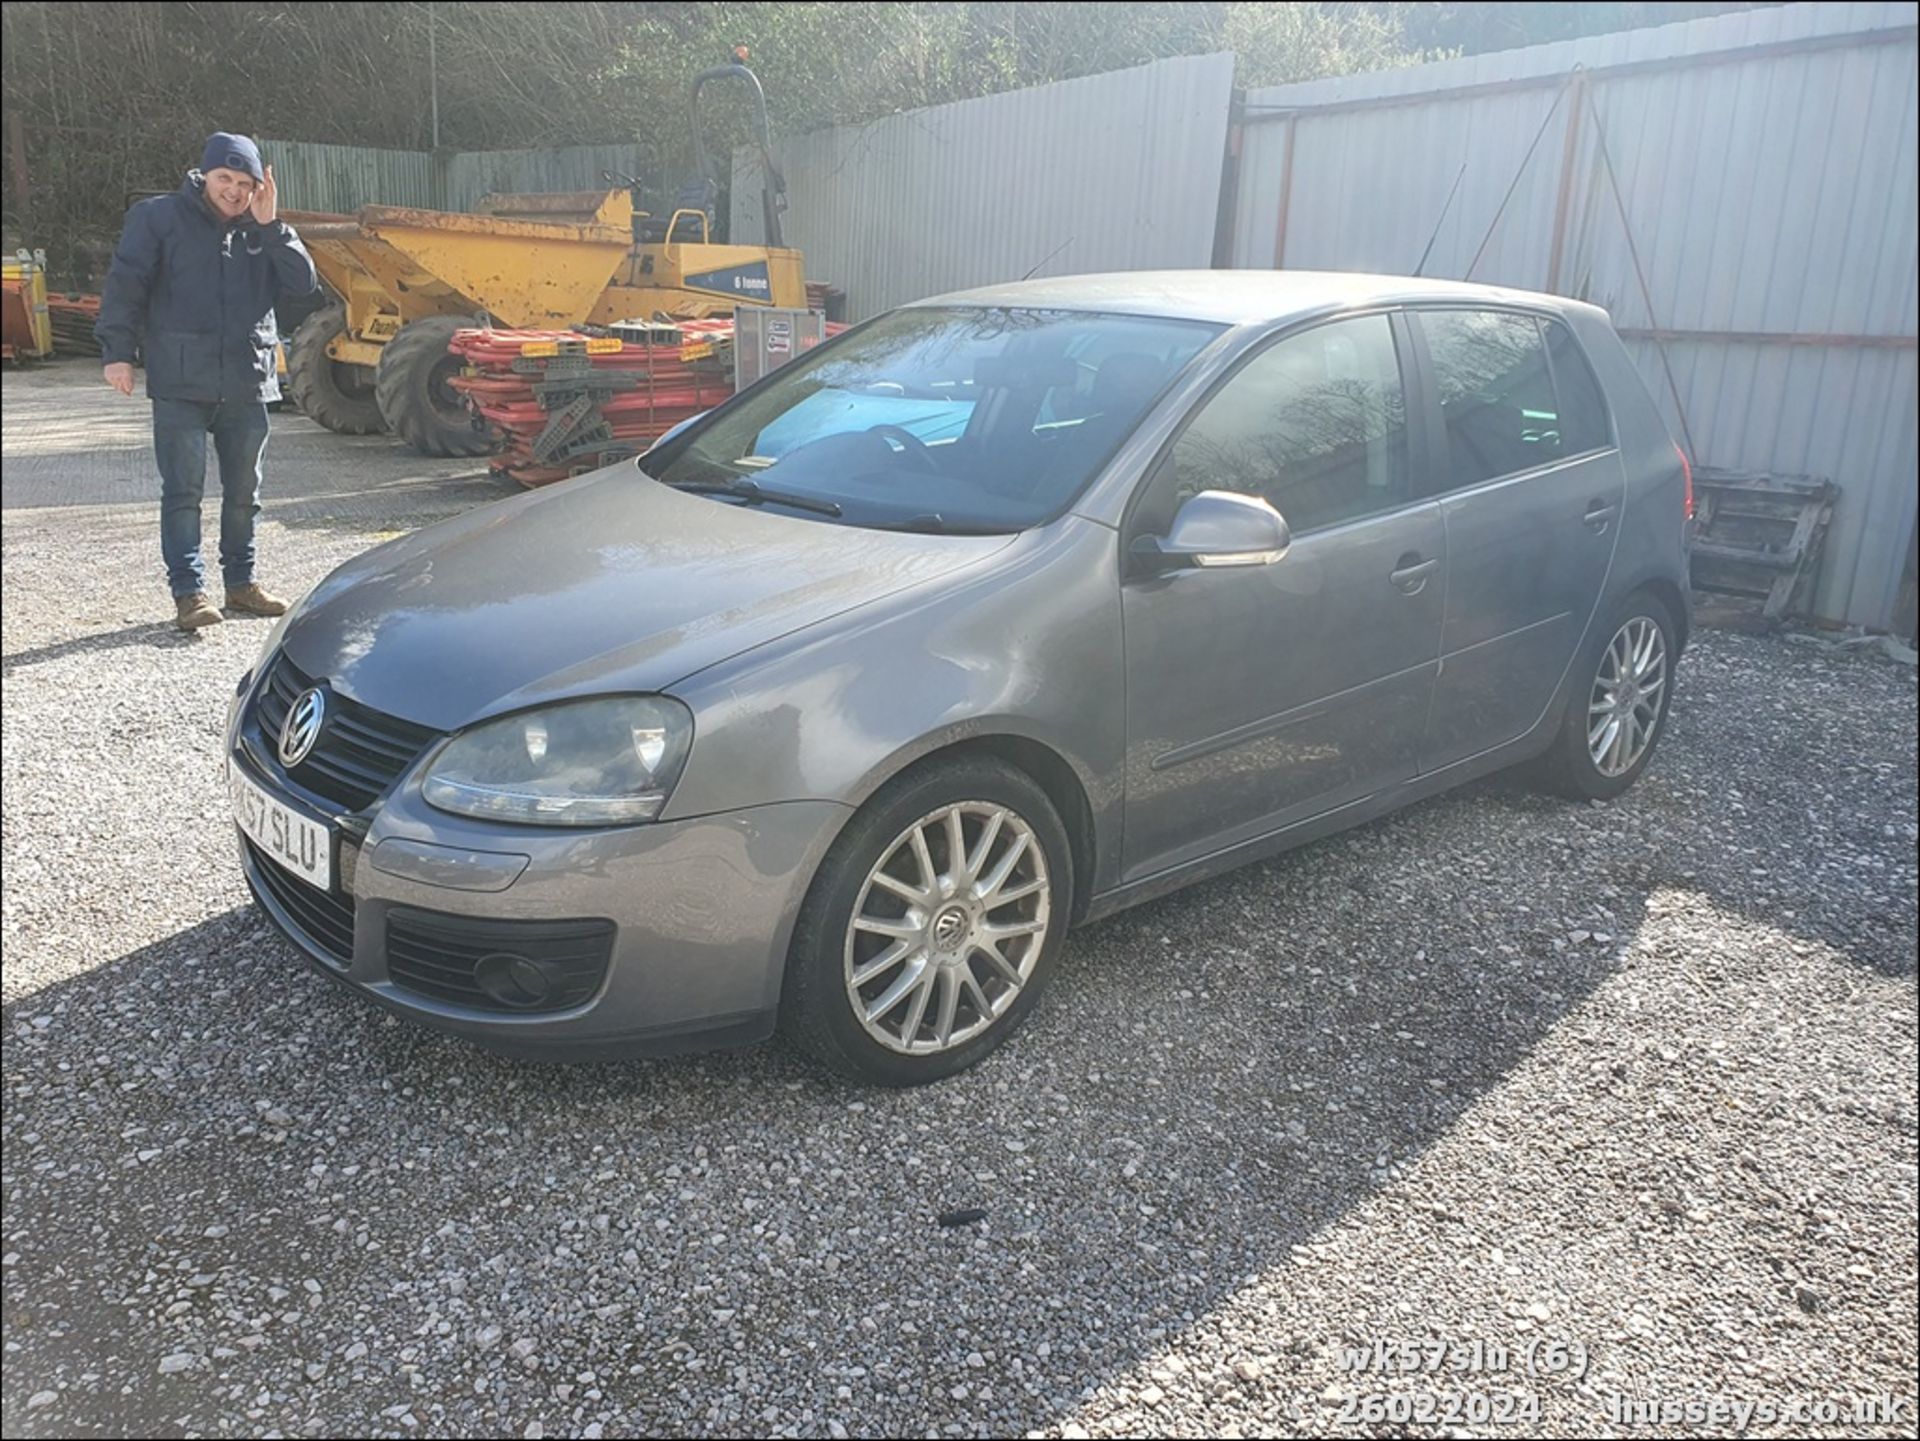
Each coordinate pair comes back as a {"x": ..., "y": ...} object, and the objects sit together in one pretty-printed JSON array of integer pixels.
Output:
[
  {"x": 1617, "y": 710},
  {"x": 336, "y": 393},
  {"x": 415, "y": 398},
  {"x": 932, "y": 926}
]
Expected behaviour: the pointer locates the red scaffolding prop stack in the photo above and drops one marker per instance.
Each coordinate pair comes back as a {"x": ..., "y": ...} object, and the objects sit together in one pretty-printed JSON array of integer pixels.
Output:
[{"x": 561, "y": 402}]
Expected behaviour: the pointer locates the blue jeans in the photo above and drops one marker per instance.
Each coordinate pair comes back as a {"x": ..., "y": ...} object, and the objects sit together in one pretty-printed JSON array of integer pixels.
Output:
[{"x": 180, "y": 431}]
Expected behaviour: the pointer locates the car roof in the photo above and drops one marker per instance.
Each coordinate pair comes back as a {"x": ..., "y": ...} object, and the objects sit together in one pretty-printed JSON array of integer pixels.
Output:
[{"x": 1233, "y": 297}]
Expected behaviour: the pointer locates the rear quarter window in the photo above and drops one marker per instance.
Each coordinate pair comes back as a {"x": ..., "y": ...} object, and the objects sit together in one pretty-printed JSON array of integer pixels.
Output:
[{"x": 1583, "y": 407}]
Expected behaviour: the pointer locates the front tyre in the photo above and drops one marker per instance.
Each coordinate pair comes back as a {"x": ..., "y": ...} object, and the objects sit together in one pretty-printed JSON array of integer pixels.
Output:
[{"x": 933, "y": 925}]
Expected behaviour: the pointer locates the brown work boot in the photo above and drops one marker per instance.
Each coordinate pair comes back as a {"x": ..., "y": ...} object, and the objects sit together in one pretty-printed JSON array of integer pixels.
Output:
[
  {"x": 190, "y": 612},
  {"x": 250, "y": 599}
]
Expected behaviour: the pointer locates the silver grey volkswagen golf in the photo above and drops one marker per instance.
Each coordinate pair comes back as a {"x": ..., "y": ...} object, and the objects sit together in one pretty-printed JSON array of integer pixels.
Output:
[{"x": 994, "y": 615}]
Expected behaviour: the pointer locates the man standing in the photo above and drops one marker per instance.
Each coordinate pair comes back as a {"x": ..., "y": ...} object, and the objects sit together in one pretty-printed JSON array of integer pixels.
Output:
[{"x": 193, "y": 283}]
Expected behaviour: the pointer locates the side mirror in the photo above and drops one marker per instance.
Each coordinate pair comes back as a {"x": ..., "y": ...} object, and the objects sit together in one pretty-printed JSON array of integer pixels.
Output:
[{"x": 1217, "y": 528}]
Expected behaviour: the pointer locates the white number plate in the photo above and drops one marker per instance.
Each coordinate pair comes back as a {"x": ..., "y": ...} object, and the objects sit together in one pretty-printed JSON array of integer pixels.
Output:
[{"x": 303, "y": 846}]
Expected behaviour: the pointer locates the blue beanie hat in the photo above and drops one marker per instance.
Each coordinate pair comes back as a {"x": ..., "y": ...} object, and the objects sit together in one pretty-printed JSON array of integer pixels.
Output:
[{"x": 232, "y": 152}]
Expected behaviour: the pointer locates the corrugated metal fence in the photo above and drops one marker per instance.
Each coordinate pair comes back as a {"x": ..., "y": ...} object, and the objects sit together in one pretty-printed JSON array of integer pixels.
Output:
[
  {"x": 578, "y": 167},
  {"x": 1111, "y": 172},
  {"x": 1766, "y": 162},
  {"x": 345, "y": 177}
]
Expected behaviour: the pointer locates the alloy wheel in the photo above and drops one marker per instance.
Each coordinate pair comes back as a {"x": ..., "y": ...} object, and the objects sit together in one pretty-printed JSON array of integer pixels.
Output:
[
  {"x": 947, "y": 928},
  {"x": 1625, "y": 706}
]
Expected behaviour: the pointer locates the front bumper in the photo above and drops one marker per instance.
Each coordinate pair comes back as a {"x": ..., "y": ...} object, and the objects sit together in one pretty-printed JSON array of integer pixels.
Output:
[{"x": 701, "y": 912}]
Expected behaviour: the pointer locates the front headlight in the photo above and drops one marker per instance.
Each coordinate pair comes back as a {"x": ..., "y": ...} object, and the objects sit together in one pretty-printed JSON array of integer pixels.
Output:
[{"x": 584, "y": 763}]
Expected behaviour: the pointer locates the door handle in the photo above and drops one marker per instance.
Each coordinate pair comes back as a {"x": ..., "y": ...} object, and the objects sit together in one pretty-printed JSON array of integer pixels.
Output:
[
  {"x": 1411, "y": 577},
  {"x": 1599, "y": 515}
]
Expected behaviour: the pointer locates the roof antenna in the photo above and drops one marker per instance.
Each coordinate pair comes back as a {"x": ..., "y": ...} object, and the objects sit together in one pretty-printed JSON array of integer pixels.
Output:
[{"x": 1055, "y": 251}]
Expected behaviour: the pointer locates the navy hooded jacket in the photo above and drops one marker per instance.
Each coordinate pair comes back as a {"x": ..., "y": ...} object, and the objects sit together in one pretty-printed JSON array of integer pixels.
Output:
[{"x": 195, "y": 294}]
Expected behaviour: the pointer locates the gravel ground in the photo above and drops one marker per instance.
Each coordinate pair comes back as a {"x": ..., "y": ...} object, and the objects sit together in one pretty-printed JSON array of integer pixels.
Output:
[{"x": 1637, "y": 1078}]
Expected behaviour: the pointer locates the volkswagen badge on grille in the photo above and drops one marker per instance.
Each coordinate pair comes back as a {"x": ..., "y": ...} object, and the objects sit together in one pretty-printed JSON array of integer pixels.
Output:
[{"x": 302, "y": 726}]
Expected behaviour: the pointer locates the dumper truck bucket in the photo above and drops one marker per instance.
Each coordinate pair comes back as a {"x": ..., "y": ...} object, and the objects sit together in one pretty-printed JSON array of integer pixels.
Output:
[{"x": 523, "y": 272}]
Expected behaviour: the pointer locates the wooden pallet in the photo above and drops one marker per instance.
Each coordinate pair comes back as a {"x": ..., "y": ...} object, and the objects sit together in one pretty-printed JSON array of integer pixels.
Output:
[{"x": 1759, "y": 535}]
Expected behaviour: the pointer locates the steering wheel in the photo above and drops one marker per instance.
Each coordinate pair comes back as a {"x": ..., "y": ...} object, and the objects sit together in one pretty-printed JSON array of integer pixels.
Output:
[{"x": 911, "y": 445}]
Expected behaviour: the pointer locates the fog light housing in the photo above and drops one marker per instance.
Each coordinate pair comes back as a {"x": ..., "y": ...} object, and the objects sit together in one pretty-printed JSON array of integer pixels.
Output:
[
  {"x": 516, "y": 982},
  {"x": 503, "y": 966}
]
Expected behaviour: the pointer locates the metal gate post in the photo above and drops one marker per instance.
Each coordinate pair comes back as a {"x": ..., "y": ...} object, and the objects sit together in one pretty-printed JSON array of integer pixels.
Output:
[
  {"x": 1286, "y": 195},
  {"x": 1569, "y": 154}
]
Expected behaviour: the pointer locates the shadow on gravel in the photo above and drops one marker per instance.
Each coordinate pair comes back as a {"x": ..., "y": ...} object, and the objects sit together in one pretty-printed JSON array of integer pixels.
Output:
[
  {"x": 306, "y": 473},
  {"x": 1215, "y": 1080},
  {"x": 1363, "y": 1038},
  {"x": 71, "y": 444},
  {"x": 156, "y": 635}
]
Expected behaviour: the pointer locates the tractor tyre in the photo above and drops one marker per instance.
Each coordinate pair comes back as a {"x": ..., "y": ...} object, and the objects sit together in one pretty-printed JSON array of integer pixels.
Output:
[
  {"x": 336, "y": 393},
  {"x": 415, "y": 399}
]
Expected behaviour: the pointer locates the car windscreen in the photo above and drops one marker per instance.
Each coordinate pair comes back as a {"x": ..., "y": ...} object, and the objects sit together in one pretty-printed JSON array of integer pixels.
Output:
[{"x": 956, "y": 419}]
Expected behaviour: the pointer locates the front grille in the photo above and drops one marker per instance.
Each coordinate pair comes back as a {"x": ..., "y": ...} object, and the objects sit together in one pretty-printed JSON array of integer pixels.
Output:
[
  {"x": 439, "y": 956},
  {"x": 323, "y": 918},
  {"x": 361, "y": 751}
]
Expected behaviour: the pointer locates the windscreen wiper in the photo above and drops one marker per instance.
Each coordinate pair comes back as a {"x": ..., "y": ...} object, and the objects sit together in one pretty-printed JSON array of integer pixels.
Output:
[
  {"x": 932, "y": 523},
  {"x": 755, "y": 493}
]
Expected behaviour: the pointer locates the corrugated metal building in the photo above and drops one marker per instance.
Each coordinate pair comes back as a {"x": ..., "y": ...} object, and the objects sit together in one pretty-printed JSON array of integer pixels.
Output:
[
  {"x": 1767, "y": 164},
  {"x": 1111, "y": 172}
]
